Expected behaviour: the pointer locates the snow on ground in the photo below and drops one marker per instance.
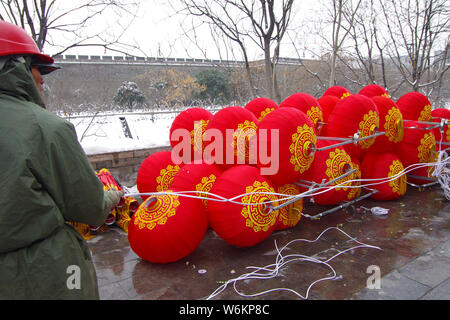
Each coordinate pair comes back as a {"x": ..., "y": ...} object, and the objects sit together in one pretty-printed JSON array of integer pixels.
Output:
[{"x": 103, "y": 134}]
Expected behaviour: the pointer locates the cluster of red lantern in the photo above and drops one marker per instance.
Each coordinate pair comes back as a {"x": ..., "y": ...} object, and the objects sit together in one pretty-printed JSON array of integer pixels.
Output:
[{"x": 230, "y": 171}]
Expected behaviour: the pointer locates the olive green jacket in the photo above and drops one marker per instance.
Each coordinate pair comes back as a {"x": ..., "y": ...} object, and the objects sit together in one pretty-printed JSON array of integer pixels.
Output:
[{"x": 45, "y": 180}]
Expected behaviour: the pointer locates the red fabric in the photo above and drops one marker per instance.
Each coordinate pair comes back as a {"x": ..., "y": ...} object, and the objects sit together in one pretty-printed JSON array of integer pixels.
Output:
[
  {"x": 417, "y": 146},
  {"x": 330, "y": 164},
  {"x": 187, "y": 120},
  {"x": 290, "y": 215},
  {"x": 350, "y": 115},
  {"x": 242, "y": 122},
  {"x": 307, "y": 104},
  {"x": 296, "y": 137},
  {"x": 373, "y": 90},
  {"x": 168, "y": 229},
  {"x": 327, "y": 103},
  {"x": 391, "y": 122},
  {"x": 438, "y": 115},
  {"x": 261, "y": 107},
  {"x": 156, "y": 173},
  {"x": 381, "y": 166},
  {"x": 415, "y": 106},
  {"x": 237, "y": 224},
  {"x": 337, "y": 91}
]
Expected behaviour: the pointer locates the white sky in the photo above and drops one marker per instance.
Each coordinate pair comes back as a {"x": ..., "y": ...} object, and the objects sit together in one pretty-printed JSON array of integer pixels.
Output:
[{"x": 156, "y": 29}]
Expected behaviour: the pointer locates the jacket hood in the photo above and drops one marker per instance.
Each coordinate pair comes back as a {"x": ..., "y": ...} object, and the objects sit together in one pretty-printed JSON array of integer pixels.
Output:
[{"x": 17, "y": 80}]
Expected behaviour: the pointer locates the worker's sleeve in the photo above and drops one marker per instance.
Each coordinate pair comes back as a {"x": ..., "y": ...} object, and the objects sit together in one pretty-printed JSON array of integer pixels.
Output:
[{"x": 69, "y": 177}]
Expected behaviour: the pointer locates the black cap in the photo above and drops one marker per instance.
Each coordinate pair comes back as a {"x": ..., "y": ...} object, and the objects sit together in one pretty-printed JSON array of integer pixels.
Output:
[{"x": 44, "y": 68}]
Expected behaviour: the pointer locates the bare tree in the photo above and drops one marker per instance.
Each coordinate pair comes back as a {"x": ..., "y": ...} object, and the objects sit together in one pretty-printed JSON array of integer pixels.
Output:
[
  {"x": 260, "y": 22},
  {"x": 79, "y": 23},
  {"x": 415, "y": 28}
]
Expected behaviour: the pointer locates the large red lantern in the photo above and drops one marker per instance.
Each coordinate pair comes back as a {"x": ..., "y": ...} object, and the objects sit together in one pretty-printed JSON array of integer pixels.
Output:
[
  {"x": 381, "y": 166},
  {"x": 190, "y": 124},
  {"x": 228, "y": 136},
  {"x": 167, "y": 227},
  {"x": 156, "y": 173},
  {"x": 285, "y": 156},
  {"x": 374, "y": 90},
  {"x": 337, "y": 91},
  {"x": 418, "y": 144},
  {"x": 439, "y": 114},
  {"x": 391, "y": 122},
  {"x": 249, "y": 221},
  {"x": 289, "y": 215},
  {"x": 327, "y": 103},
  {"x": 307, "y": 104},
  {"x": 330, "y": 164},
  {"x": 198, "y": 177},
  {"x": 415, "y": 106},
  {"x": 261, "y": 107},
  {"x": 356, "y": 113}
]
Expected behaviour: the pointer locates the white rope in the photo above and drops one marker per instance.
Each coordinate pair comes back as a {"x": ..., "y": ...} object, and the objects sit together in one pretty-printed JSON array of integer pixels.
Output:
[{"x": 272, "y": 270}]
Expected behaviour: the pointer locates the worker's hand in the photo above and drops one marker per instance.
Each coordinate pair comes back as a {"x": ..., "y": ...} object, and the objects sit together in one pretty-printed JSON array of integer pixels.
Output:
[{"x": 112, "y": 197}]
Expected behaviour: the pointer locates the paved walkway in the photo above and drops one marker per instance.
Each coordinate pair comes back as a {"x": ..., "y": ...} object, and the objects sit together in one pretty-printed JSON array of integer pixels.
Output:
[{"x": 413, "y": 261}]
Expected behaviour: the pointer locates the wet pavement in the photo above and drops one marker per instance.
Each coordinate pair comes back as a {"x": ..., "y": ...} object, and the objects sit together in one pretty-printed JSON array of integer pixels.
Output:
[{"x": 413, "y": 262}]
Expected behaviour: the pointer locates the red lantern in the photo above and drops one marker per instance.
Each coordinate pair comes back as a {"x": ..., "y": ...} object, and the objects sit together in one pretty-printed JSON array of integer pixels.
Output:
[
  {"x": 193, "y": 121},
  {"x": 327, "y": 103},
  {"x": 230, "y": 132},
  {"x": 415, "y": 106},
  {"x": 156, "y": 173},
  {"x": 438, "y": 115},
  {"x": 417, "y": 146},
  {"x": 354, "y": 190},
  {"x": 250, "y": 222},
  {"x": 382, "y": 166},
  {"x": 197, "y": 177},
  {"x": 328, "y": 165},
  {"x": 391, "y": 122},
  {"x": 167, "y": 227},
  {"x": 374, "y": 90},
  {"x": 307, "y": 104},
  {"x": 284, "y": 158},
  {"x": 423, "y": 175},
  {"x": 356, "y": 113},
  {"x": 261, "y": 107},
  {"x": 289, "y": 215},
  {"x": 337, "y": 91}
]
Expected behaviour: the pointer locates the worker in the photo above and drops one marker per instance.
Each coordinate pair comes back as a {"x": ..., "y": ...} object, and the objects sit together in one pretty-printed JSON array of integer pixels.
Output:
[{"x": 46, "y": 181}]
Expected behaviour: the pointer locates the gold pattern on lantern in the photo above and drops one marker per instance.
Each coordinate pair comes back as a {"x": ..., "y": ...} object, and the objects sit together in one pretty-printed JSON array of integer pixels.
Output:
[
  {"x": 345, "y": 95},
  {"x": 197, "y": 134},
  {"x": 205, "y": 186},
  {"x": 158, "y": 212},
  {"x": 256, "y": 215},
  {"x": 290, "y": 215},
  {"x": 398, "y": 185},
  {"x": 367, "y": 127},
  {"x": 241, "y": 138},
  {"x": 336, "y": 163},
  {"x": 355, "y": 191},
  {"x": 302, "y": 148},
  {"x": 264, "y": 113},
  {"x": 426, "y": 148},
  {"x": 315, "y": 115},
  {"x": 165, "y": 178},
  {"x": 394, "y": 125},
  {"x": 425, "y": 114}
]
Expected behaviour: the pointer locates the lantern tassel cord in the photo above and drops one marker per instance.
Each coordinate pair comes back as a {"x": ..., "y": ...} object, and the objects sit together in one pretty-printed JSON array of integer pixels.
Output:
[{"x": 273, "y": 270}]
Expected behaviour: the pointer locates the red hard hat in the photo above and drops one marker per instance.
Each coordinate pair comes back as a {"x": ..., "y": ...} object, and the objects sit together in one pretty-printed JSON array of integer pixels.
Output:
[{"x": 15, "y": 40}]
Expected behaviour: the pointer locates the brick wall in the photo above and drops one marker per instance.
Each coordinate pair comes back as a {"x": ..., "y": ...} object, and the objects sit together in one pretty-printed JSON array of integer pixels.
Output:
[{"x": 123, "y": 165}]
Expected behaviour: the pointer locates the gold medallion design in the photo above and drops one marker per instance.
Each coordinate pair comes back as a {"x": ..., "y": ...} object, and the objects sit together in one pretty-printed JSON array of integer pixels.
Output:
[
  {"x": 426, "y": 148},
  {"x": 241, "y": 138},
  {"x": 264, "y": 113},
  {"x": 337, "y": 164},
  {"x": 315, "y": 115},
  {"x": 356, "y": 178},
  {"x": 367, "y": 127},
  {"x": 302, "y": 148},
  {"x": 256, "y": 216},
  {"x": 290, "y": 215},
  {"x": 158, "y": 212},
  {"x": 198, "y": 131},
  {"x": 385, "y": 95},
  {"x": 165, "y": 178},
  {"x": 425, "y": 114},
  {"x": 205, "y": 186},
  {"x": 398, "y": 185},
  {"x": 394, "y": 125},
  {"x": 345, "y": 95}
]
